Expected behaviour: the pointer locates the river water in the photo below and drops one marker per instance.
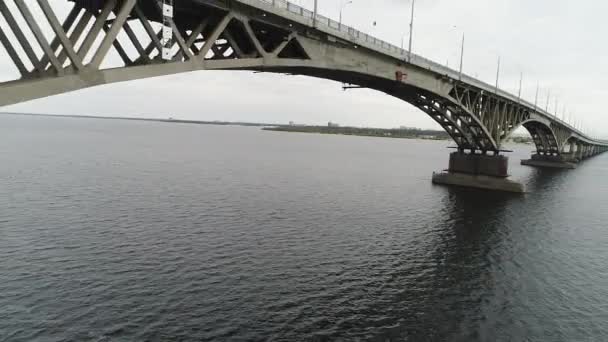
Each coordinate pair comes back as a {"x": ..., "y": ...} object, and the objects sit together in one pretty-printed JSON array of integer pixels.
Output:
[{"x": 117, "y": 230}]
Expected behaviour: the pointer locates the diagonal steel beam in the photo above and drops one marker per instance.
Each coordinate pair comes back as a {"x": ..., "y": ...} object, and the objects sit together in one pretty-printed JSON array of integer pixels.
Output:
[
  {"x": 254, "y": 39},
  {"x": 60, "y": 34},
  {"x": 96, "y": 28},
  {"x": 13, "y": 54},
  {"x": 135, "y": 41},
  {"x": 23, "y": 41},
  {"x": 219, "y": 51},
  {"x": 152, "y": 45},
  {"x": 119, "y": 49},
  {"x": 282, "y": 46},
  {"x": 111, "y": 35},
  {"x": 192, "y": 38},
  {"x": 213, "y": 37},
  {"x": 196, "y": 32},
  {"x": 235, "y": 46},
  {"x": 67, "y": 25},
  {"x": 78, "y": 30},
  {"x": 40, "y": 38},
  {"x": 154, "y": 36}
]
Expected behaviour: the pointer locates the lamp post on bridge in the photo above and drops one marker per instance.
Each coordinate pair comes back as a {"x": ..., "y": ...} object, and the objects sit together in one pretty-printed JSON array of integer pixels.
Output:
[
  {"x": 409, "y": 50},
  {"x": 314, "y": 16},
  {"x": 342, "y": 6},
  {"x": 536, "y": 98},
  {"x": 461, "y": 58},
  {"x": 461, "y": 55},
  {"x": 497, "y": 74},
  {"x": 521, "y": 80}
]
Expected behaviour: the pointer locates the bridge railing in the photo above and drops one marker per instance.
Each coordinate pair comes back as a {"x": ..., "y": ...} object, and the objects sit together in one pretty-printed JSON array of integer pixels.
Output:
[
  {"x": 361, "y": 37},
  {"x": 334, "y": 25}
]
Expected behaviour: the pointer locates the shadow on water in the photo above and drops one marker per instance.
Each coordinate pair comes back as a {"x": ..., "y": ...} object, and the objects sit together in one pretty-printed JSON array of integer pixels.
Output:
[{"x": 445, "y": 301}]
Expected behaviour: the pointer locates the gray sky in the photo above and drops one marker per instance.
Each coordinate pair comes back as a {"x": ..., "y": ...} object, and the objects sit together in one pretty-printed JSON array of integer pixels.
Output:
[{"x": 561, "y": 44}]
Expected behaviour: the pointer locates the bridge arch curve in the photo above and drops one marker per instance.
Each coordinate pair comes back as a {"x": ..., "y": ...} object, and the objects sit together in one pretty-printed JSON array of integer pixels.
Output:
[
  {"x": 467, "y": 131},
  {"x": 544, "y": 137}
]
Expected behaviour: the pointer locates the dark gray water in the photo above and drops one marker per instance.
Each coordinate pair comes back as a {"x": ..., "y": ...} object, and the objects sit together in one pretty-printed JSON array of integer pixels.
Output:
[{"x": 142, "y": 231}]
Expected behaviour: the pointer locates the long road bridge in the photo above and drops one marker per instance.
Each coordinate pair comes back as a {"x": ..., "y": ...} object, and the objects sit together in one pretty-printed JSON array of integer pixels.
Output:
[{"x": 155, "y": 39}]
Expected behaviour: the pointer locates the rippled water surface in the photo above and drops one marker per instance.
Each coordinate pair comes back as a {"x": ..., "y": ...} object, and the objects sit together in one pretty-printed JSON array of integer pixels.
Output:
[{"x": 142, "y": 231}]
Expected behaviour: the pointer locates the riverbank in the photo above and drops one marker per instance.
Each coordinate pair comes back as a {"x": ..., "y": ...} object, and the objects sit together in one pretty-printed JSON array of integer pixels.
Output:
[{"x": 398, "y": 133}]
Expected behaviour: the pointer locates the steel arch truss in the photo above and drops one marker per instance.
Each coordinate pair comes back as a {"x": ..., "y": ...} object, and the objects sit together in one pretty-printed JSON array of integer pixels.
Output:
[
  {"x": 456, "y": 122},
  {"x": 492, "y": 117},
  {"x": 562, "y": 134},
  {"x": 87, "y": 34},
  {"x": 544, "y": 138},
  {"x": 550, "y": 140}
]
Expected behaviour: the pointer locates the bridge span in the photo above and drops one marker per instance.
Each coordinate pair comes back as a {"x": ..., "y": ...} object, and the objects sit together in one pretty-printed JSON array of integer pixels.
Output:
[{"x": 279, "y": 37}]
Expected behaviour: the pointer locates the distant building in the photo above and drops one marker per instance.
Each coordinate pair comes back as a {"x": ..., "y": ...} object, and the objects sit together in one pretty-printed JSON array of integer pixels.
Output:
[
  {"x": 291, "y": 123},
  {"x": 331, "y": 124}
]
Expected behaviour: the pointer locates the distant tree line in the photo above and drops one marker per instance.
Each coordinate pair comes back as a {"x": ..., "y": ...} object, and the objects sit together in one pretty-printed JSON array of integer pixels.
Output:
[{"x": 406, "y": 133}]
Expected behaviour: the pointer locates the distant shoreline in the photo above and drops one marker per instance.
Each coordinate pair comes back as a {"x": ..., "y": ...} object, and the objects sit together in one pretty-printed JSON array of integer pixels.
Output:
[
  {"x": 391, "y": 133},
  {"x": 195, "y": 122},
  {"x": 395, "y": 133}
]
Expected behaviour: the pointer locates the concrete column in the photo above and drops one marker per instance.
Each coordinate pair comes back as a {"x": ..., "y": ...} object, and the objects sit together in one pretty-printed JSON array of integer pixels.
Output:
[
  {"x": 563, "y": 161},
  {"x": 584, "y": 152},
  {"x": 579, "y": 152},
  {"x": 478, "y": 171},
  {"x": 573, "y": 157}
]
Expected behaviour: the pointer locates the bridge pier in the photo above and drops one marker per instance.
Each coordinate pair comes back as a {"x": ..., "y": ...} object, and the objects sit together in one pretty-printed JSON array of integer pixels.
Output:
[
  {"x": 480, "y": 171},
  {"x": 563, "y": 161}
]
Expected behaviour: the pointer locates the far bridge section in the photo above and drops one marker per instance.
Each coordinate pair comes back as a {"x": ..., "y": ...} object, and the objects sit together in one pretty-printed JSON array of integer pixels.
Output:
[{"x": 275, "y": 36}]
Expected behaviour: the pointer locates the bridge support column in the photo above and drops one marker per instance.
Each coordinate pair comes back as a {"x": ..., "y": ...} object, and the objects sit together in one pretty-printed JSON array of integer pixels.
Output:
[
  {"x": 563, "y": 161},
  {"x": 579, "y": 152},
  {"x": 478, "y": 171}
]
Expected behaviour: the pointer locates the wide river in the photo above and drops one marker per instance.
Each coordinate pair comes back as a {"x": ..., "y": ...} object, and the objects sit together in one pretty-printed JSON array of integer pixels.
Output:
[{"x": 115, "y": 230}]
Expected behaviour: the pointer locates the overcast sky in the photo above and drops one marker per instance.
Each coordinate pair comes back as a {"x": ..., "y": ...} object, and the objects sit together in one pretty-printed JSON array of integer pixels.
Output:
[{"x": 562, "y": 44}]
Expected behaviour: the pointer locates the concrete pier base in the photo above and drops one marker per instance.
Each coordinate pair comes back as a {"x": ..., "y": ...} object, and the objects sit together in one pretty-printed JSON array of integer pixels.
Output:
[
  {"x": 477, "y": 181},
  {"x": 555, "y": 162},
  {"x": 478, "y": 171}
]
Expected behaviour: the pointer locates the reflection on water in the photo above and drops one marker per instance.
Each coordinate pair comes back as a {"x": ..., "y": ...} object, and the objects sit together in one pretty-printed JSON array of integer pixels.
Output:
[
  {"x": 541, "y": 179},
  {"x": 122, "y": 231}
]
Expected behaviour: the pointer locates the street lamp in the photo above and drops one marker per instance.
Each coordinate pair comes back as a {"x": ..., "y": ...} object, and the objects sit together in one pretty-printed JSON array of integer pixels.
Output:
[
  {"x": 461, "y": 57},
  {"x": 314, "y": 16},
  {"x": 342, "y": 6},
  {"x": 409, "y": 51},
  {"x": 461, "y": 54}
]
